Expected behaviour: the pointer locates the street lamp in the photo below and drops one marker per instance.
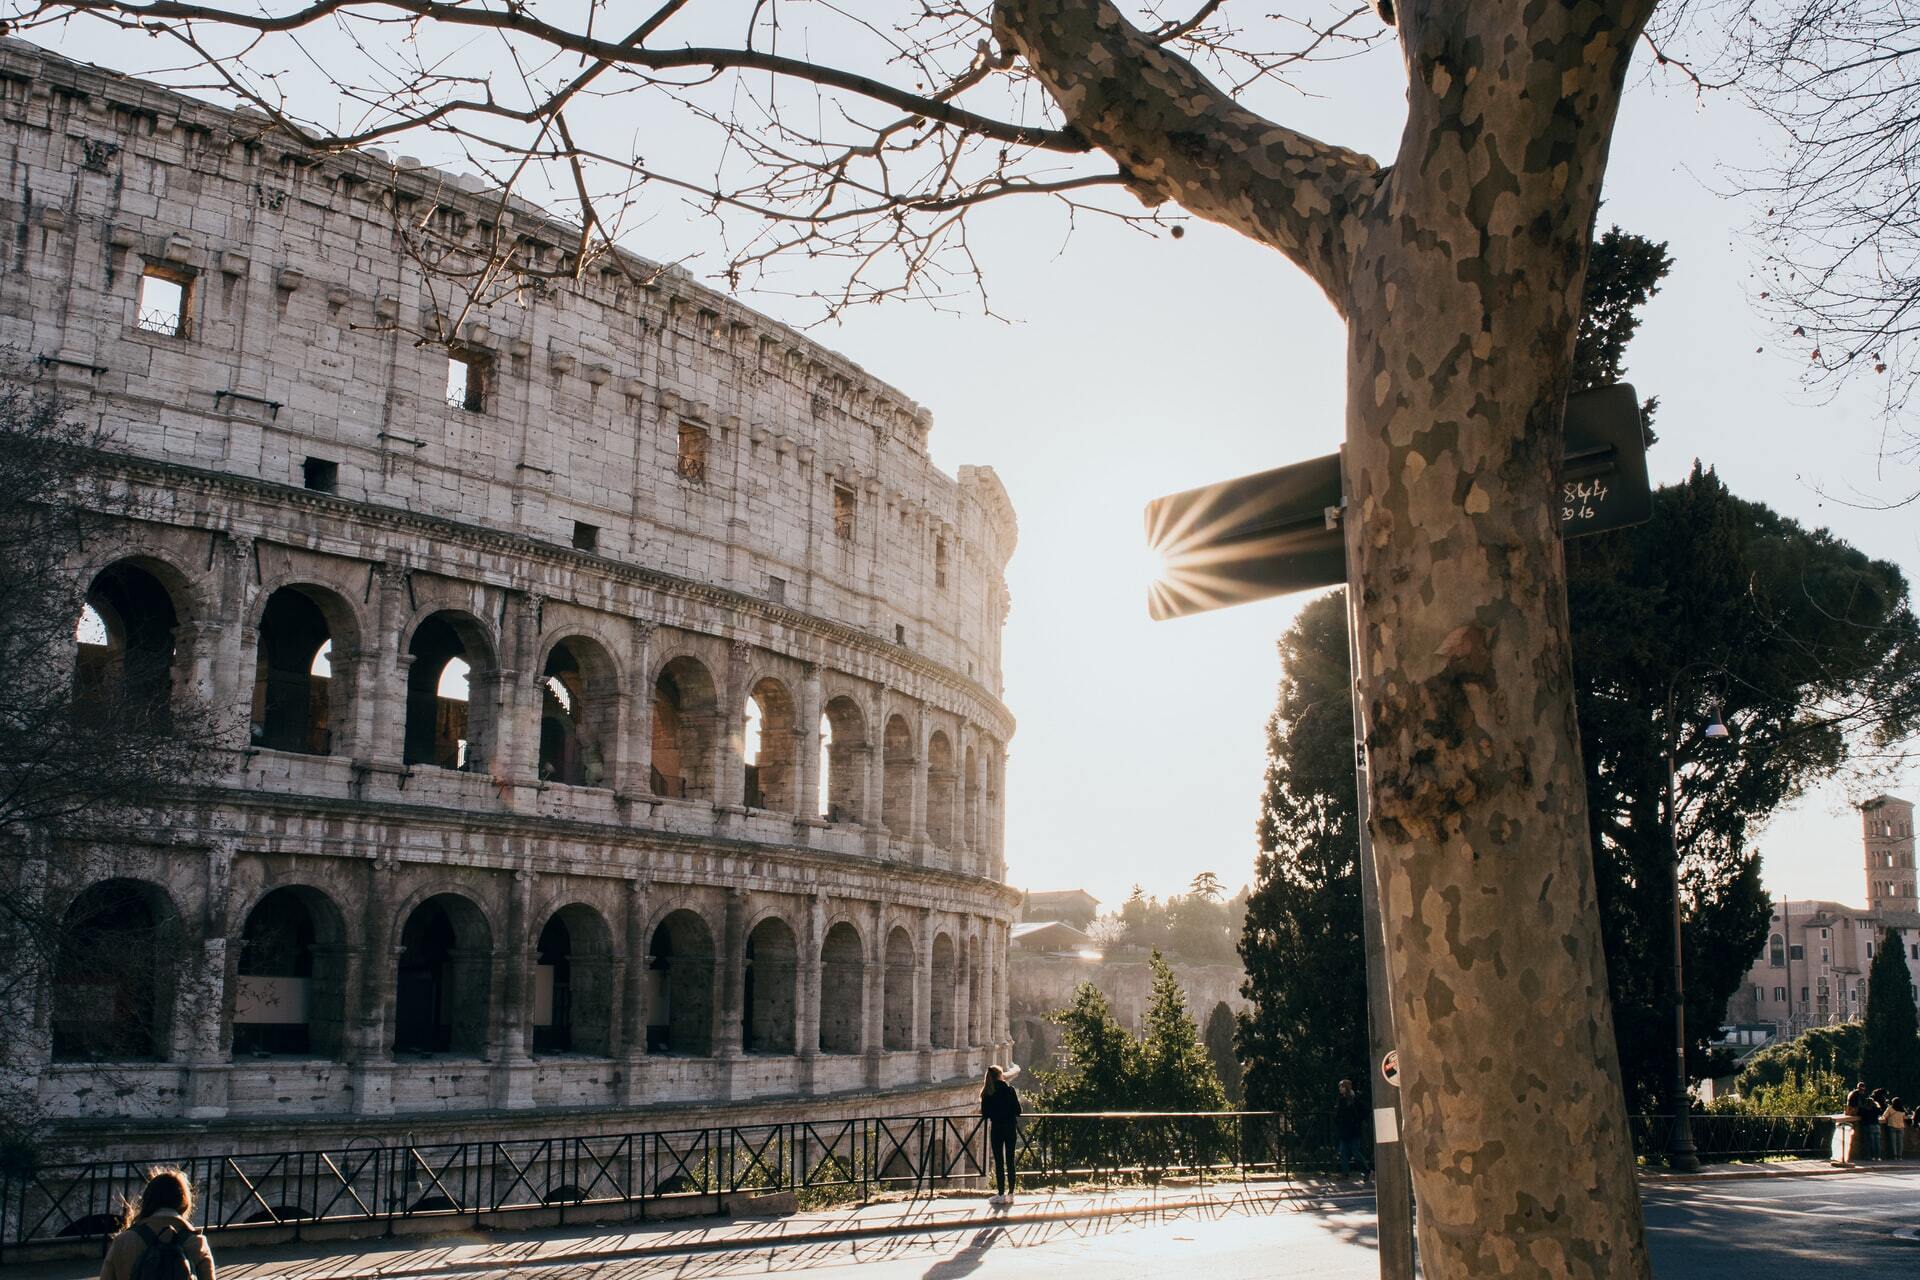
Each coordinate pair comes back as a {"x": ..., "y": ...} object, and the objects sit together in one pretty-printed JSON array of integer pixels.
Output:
[{"x": 1682, "y": 1155}]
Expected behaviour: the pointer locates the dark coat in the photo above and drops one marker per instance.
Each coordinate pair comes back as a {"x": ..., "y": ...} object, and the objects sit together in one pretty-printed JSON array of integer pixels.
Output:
[{"x": 1001, "y": 1106}]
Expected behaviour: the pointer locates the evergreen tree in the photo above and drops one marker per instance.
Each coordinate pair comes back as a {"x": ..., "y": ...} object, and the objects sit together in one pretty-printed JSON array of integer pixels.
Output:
[
  {"x": 1218, "y": 1038},
  {"x": 1099, "y": 1059},
  {"x": 1890, "y": 1058},
  {"x": 1176, "y": 1073}
]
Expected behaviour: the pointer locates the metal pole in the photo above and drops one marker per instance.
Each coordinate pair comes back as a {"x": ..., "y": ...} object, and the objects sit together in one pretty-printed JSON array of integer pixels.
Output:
[
  {"x": 1392, "y": 1183},
  {"x": 1682, "y": 1157}
]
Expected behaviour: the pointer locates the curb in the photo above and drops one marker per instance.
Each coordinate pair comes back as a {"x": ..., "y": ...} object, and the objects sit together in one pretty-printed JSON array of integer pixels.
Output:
[
  {"x": 822, "y": 1235},
  {"x": 1757, "y": 1174}
]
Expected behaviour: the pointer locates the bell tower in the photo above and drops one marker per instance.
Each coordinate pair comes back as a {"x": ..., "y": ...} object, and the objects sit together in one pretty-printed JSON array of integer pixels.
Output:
[{"x": 1888, "y": 827}]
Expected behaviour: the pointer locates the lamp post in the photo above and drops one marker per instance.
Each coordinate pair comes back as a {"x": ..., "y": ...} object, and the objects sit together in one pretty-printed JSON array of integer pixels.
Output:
[{"x": 1682, "y": 1155}]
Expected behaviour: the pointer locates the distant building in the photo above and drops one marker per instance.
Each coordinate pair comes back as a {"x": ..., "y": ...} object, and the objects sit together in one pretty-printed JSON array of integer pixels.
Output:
[
  {"x": 1813, "y": 969},
  {"x": 1075, "y": 906},
  {"x": 1052, "y": 938}
]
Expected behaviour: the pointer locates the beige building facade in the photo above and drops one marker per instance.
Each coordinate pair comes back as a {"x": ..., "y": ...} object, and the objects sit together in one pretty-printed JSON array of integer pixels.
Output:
[
  {"x": 1813, "y": 970},
  {"x": 611, "y": 681}
]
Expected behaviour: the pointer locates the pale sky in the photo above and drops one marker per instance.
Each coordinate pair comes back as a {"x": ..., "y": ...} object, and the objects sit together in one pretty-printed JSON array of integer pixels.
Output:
[{"x": 1132, "y": 367}]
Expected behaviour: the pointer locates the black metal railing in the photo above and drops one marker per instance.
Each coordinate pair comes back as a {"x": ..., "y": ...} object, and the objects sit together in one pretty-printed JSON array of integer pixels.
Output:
[{"x": 819, "y": 1161}]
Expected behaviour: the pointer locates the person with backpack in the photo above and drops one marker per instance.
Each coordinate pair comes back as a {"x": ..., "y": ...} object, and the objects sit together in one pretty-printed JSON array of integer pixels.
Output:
[
  {"x": 156, "y": 1240},
  {"x": 1000, "y": 1106}
]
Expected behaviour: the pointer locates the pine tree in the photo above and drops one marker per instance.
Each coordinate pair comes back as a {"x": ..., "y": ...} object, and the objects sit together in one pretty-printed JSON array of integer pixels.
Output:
[
  {"x": 1218, "y": 1038},
  {"x": 1175, "y": 1072},
  {"x": 1890, "y": 1059},
  {"x": 1099, "y": 1059}
]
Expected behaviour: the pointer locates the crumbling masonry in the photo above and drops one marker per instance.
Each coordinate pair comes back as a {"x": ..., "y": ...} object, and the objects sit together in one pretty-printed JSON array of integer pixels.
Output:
[{"x": 613, "y": 678}]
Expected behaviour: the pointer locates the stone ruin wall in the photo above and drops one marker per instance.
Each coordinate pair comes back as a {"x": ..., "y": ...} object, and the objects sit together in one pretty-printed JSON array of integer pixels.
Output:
[{"x": 294, "y": 438}]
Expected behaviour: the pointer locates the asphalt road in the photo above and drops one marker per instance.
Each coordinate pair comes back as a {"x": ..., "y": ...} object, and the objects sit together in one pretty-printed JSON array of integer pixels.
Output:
[{"x": 1834, "y": 1228}]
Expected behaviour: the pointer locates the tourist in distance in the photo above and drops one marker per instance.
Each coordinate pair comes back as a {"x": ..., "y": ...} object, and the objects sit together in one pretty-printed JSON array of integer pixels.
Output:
[
  {"x": 1896, "y": 1123},
  {"x": 157, "y": 1241},
  {"x": 1000, "y": 1104},
  {"x": 1884, "y": 1148},
  {"x": 1349, "y": 1125},
  {"x": 1866, "y": 1123}
]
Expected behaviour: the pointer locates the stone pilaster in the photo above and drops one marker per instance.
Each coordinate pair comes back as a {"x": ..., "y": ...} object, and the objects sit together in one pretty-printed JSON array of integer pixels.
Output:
[
  {"x": 513, "y": 1069},
  {"x": 633, "y": 998}
]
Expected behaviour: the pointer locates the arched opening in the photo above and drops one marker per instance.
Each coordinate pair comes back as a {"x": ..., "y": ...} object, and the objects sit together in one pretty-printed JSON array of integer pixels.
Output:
[
  {"x": 575, "y": 691},
  {"x": 1776, "y": 951},
  {"x": 940, "y": 789},
  {"x": 446, "y": 727},
  {"x": 843, "y": 989},
  {"x": 124, "y": 665},
  {"x": 293, "y": 686},
  {"x": 684, "y": 710},
  {"x": 680, "y": 986},
  {"x": 769, "y": 1000},
  {"x": 941, "y": 1025},
  {"x": 290, "y": 996},
  {"x": 114, "y": 974},
  {"x": 896, "y": 802},
  {"x": 443, "y": 983},
  {"x": 771, "y": 749},
  {"x": 843, "y": 765},
  {"x": 573, "y": 984},
  {"x": 970, "y": 805},
  {"x": 896, "y": 1014},
  {"x": 976, "y": 1005}
]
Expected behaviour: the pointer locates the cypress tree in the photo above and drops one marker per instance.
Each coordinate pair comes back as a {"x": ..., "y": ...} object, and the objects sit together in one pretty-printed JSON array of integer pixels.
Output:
[
  {"x": 1175, "y": 1072},
  {"x": 1218, "y": 1037},
  {"x": 1890, "y": 1058}
]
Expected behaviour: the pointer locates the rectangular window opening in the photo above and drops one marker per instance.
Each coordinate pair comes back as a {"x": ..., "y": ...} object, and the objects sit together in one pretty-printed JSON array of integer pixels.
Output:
[
  {"x": 586, "y": 537},
  {"x": 843, "y": 512},
  {"x": 320, "y": 475},
  {"x": 899, "y": 633},
  {"x": 940, "y": 562},
  {"x": 467, "y": 373},
  {"x": 162, "y": 306},
  {"x": 693, "y": 453},
  {"x": 777, "y": 589}
]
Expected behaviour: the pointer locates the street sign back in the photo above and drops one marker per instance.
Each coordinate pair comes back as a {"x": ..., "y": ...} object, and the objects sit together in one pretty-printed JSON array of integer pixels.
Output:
[{"x": 1274, "y": 532}]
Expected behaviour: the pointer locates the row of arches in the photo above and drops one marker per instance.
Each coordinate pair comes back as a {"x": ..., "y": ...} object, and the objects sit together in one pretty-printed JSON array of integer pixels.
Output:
[
  {"x": 291, "y": 991},
  {"x": 455, "y": 705}
]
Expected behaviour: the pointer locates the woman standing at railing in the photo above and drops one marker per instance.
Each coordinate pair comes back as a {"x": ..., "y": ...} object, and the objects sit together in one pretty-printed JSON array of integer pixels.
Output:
[
  {"x": 1000, "y": 1104},
  {"x": 156, "y": 1238}
]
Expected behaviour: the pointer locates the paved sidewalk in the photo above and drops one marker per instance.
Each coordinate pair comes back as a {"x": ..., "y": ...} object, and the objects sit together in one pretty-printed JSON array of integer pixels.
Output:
[{"x": 469, "y": 1251}]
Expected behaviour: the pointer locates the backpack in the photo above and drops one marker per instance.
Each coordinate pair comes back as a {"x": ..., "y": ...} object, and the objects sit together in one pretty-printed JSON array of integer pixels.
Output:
[{"x": 163, "y": 1259}]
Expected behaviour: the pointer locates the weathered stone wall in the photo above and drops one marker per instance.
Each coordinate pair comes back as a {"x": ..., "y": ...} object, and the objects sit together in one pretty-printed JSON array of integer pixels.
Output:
[
  {"x": 566, "y": 886},
  {"x": 1040, "y": 985}
]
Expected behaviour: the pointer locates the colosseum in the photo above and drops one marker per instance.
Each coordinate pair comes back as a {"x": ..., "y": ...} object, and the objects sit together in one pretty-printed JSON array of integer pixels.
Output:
[{"x": 610, "y": 680}]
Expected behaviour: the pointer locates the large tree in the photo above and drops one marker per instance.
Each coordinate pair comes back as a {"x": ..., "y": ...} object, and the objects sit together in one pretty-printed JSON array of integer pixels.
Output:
[
  {"x": 1457, "y": 268},
  {"x": 1890, "y": 1056}
]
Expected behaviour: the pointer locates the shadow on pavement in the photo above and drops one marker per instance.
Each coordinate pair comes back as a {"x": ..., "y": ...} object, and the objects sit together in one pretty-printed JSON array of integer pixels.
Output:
[{"x": 968, "y": 1260}]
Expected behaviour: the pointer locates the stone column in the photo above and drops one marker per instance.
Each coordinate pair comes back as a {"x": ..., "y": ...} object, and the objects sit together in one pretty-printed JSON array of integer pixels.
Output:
[
  {"x": 1003, "y": 991},
  {"x": 379, "y": 962},
  {"x": 923, "y": 995},
  {"x": 806, "y": 1032},
  {"x": 26, "y": 1005},
  {"x": 516, "y": 760},
  {"x": 513, "y": 1065},
  {"x": 873, "y": 988},
  {"x": 730, "y": 764},
  {"x": 235, "y": 660},
  {"x": 732, "y": 970},
  {"x": 918, "y": 834},
  {"x": 635, "y": 783},
  {"x": 809, "y": 745},
  {"x": 204, "y": 1004},
  {"x": 873, "y": 806},
  {"x": 383, "y": 697},
  {"x": 633, "y": 998},
  {"x": 962, "y": 994}
]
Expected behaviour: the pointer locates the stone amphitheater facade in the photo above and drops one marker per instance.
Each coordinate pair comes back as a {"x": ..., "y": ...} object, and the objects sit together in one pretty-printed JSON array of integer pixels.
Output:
[{"x": 712, "y": 825}]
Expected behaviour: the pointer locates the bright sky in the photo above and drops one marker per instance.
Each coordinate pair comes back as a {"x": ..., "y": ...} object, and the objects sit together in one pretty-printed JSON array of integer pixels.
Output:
[{"x": 1134, "y": 367}]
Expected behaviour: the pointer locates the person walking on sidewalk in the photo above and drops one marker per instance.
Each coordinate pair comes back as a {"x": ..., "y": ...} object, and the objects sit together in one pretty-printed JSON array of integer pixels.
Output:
[
  {"x": 1349, "y": 1128},
  {"x": 156, "y": 1239},
  {"x": 1000, "y": 1105}
]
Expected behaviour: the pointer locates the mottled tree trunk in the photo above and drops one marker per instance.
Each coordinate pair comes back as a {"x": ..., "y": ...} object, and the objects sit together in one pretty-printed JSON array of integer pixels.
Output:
[{"x": 1459, "y": 271}]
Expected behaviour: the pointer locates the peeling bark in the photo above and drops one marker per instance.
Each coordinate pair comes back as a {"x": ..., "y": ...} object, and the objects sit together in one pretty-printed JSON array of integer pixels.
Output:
[{"x": 1459, "y": 271}]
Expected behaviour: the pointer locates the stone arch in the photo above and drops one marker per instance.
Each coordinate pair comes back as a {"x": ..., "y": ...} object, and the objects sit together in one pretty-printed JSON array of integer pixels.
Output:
[
  {"x": 300, "y": 702},
  {"x": 443, "y": 977},
  {"x": 898, "y": 764},
  {"x": 127, "y": 667},
  {"x": 897, "y": 1003},
  {"x": 940, "y": 789},
  {"x": 686, "y": 714},
  {"x": 290, "y": 989},
  {"x": 770, "y": 998},
  {"x": 573, "y": 983},
  {"x": 843, "y": 749},
  {"x": 772, "y": 764},
  {"x": 115, "y": 965},
  {"x": 941, "y": 1026},
  {"x": 843, "y": 989},
  {"x": 447, "y": 726},
  {"x": 579, "y": 707},
  {"x": 680, "y": 973}
]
